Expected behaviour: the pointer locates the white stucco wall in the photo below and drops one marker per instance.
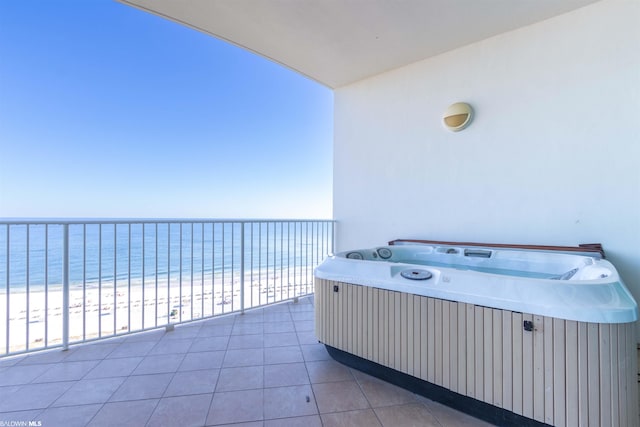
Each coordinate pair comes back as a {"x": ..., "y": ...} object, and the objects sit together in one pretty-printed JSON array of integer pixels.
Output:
[{"x": 552, "y": 157}]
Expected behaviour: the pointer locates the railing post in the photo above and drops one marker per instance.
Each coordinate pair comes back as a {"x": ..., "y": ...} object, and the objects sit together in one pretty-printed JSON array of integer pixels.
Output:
[
  {"x": 242, "y": 267},
  {"x": 333, "y": 237},
  {"x": 65, "y": 287},
  {"x": 8, "y": 291}
]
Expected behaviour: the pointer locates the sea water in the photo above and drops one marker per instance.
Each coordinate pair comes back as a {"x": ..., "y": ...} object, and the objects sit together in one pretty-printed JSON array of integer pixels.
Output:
[{"x": 98, "y": 253}]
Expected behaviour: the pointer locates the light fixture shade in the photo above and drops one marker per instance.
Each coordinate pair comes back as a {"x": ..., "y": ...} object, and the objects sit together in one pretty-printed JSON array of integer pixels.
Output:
[{"x": 458, "y": 116}]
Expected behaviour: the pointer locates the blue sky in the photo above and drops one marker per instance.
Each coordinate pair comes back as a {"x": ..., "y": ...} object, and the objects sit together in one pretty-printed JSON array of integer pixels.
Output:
[{"x": 108, "y": 111}]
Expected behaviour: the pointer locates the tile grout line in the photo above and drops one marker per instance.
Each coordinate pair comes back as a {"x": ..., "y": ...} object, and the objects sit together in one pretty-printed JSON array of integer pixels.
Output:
[
  {"x": 375, "y": 414},
  {"x": 121, "y": 384},
  {"x": 306, "y": 368},
  {"x": 315, "y": 399}
]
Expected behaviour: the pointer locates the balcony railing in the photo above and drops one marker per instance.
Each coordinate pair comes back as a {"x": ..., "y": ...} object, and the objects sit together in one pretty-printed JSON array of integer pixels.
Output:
[{"x": 66, "y": 282}]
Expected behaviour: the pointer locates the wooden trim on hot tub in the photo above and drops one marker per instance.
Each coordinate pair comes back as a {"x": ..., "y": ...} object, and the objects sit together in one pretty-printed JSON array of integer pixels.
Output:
[
  {"x": 583, "y": 247},
  {"x": 559, "y": 372}
]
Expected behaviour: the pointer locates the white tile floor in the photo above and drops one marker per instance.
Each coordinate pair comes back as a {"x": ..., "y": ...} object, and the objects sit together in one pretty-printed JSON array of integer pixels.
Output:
[{"x": 263, "y": 368}]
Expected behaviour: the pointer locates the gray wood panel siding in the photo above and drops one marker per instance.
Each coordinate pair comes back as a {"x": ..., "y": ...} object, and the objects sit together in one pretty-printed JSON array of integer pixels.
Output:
[{"x": 562, "y": 373}]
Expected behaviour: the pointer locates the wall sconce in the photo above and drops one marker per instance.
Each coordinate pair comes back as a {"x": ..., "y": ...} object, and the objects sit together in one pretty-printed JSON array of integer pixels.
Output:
[{"x": 457, "y": 116}]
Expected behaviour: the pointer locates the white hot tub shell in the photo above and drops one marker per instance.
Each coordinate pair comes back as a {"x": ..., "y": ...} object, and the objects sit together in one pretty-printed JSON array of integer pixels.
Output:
[{"x": 512, "y": 336}]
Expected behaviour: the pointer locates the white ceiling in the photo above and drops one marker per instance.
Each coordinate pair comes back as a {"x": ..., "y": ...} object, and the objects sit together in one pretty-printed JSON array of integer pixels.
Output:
[{"x": 338, "y": 42}]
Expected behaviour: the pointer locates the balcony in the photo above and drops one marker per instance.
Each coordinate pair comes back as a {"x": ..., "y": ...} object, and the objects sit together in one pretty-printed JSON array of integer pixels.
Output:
[
  {"x": 182, "y": 322},
  {"x": 261, "y": 368}
]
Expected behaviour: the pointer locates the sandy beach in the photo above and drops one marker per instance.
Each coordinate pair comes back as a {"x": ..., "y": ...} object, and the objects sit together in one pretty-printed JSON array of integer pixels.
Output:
[{"x": 104, "y": 311}]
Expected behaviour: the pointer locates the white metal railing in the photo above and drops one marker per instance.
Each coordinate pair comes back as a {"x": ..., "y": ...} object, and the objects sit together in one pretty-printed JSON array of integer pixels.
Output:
[{"x": 65, "y": 282}]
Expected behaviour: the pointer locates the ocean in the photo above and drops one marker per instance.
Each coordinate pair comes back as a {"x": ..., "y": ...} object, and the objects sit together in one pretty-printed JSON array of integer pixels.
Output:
[{"x": 32, "y": 255}]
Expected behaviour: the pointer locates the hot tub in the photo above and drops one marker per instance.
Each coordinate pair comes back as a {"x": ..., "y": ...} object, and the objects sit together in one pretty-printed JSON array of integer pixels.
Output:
[{"x": 513, "y": 336}]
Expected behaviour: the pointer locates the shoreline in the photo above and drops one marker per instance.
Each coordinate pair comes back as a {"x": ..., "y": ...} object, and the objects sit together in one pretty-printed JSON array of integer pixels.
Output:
[
  {"x": 107, "y": 312},
  {"x": 207, "y": 276}
]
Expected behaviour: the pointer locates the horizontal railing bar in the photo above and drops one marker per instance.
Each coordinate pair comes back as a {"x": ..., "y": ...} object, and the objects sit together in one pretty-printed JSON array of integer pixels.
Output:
[{"x": 106, "y": 221}]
